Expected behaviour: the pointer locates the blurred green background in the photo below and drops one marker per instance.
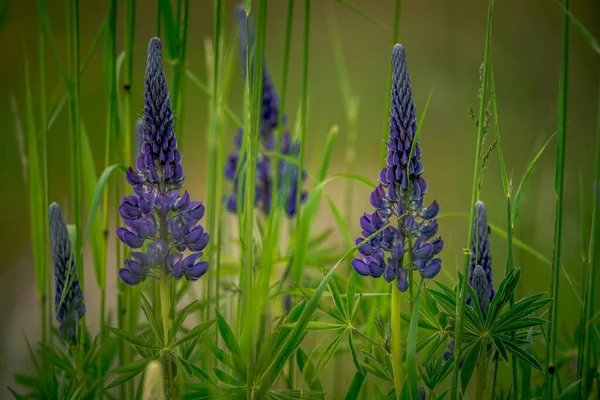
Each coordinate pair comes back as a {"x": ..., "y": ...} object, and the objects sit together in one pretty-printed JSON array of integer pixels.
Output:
[{"x": 444, "y": 45}]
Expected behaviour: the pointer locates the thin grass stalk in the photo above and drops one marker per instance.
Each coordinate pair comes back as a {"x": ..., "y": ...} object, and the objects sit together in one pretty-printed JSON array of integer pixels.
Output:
[
  {"x": 559, "y": 184},
  {"x": 46, "y": 305},
  {"x": 460, "y": 301},
  {"x": 303, "y": 111},
  {"x": 214, "y": 151},
  {"x": 128, "y": 80},
  {"x": 593, "y": 257},
  {"x": 254, "y": 83},
  {"x": 394, "y": 39},
  {"x": 507, "y": 185},
  {"x": 584, "y": 294},
  {"x": 75, "y": 144}
]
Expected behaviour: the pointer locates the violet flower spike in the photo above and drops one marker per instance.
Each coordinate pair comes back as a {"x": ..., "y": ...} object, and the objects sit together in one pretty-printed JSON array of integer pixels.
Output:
[
  {"x": 398, "y": 199},
  {"x": 158, "y": 213},
  {"x": 68, "y": 300},
  {"x": 287, "y": 182}
]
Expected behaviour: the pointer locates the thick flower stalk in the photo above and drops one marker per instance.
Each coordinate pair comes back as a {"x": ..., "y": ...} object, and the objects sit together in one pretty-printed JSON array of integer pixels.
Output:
[
  {"x": 287, "y": 187},
  {"x": 398, "y": 199},
  {"x": 68, "y": 300},
  {"x": 158, "y": 213}
]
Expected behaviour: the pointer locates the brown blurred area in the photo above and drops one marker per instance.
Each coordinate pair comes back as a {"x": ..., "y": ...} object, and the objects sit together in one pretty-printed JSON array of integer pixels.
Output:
[{"x": 444, "y": 44}]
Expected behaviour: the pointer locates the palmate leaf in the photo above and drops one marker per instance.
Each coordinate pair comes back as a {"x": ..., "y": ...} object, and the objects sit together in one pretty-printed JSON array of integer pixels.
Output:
[
  {"x": 354, "y": 354},
  {"x": 308, "y": 371},
  {"x": 468, "y": 366},
  {"x": 122, "y": 379},
  {"x": 337, "y": 299},
  {"x": 293, "y": 394},
  {"x": 195, "y": 332},
  {"x": 350, "y": 295},
  {"x": 372, "y": 365},
  {"x": 151, "y": 318},
  {"x": 332, "y": 312},
  {"x": 521, "y": 354},
  {"x": 355, "y": 386},
  {"x": 134, "y": 366},
  {"x": 328, "y": 354},
  {"x": 226, "y": 377},
  {"x": 232, "y": 344},
  {"x": 318, "y": 326},
  {"x": 132, "y": 339},
  {"x": 504, "y": 293},
  {"x": 180, "y": 318}
]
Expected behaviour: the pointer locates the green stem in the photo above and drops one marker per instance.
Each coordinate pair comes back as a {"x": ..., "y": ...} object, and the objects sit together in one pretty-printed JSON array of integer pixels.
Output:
[
  {"x": 386, "y": 132},
  {"x": 128, "y": 79},
  {"x": 482, "y": 370},
  {"x": 396, "y": 321},
  {"x": 460, "y": 301},
  {"x": 509, "y": 267},
  {"x": 593, "y": 257},
  {"x": 374, "y": 343},
  {"x": 165, "y": 302},
  {"x": 559, "y": 184},
  {"x": 303, "y": 116},
  {"x": 495, "y": 377}
]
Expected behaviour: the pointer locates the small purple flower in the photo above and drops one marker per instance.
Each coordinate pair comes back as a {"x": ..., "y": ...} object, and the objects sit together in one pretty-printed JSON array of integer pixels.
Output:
[
  {"x": 158, "y": 213},
  {"x": 398, "y": 199},
  {"x": 68, "y": 299},
  {"x": 287, "y": 179}
]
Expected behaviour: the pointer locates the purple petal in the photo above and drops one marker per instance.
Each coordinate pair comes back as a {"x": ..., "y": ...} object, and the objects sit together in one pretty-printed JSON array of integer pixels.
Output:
[
  {"x": 197, "y": 270},
  {"x": 128, "y": 277},
  {"x": 133, "y": 178},
  {"x": 135, "y": 267},
  {"x": 201, "y": 243},
  {"x": 431, "y": 270},
  {"x": 360, "y": 267},
  {"x": 129, "y": 238}
]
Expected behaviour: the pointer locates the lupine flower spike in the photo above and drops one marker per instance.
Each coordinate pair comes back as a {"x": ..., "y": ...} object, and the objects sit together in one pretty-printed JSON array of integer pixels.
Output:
[
  {"x": 68, "y": 300},
  {"x": 158, "y": 212},
  {"x": 480, "y": 250},
  {"x": 480, "y": 270},
  {"x": 398, "y": 199},
  {"x": 287, "y": 187}
]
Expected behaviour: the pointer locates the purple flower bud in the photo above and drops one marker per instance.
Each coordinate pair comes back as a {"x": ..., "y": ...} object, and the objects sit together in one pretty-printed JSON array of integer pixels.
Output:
[
  {"x": 402, "y": 280},
  {"x": 360, "y": 267},
  {"x": 129, "y": 238},
  {"x": 128, "y": 277},
  {"x": 431, "y": 270}
]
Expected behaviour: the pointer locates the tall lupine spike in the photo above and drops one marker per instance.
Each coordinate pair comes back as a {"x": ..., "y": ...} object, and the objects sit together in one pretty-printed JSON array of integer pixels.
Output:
[
  {"x": 287, "y": 187},
  {"x": 482, "y": 289},
  {"x": 480, "y": 246},
  {"x": 400, "y": 195},
  {"x": 157, "y": 212},
  {"x": 68, "y": 301}
]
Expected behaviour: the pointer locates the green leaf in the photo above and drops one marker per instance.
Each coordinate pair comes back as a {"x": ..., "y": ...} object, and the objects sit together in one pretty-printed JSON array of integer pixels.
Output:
[
  {"x": 501, "y": 347},
  {"x": 171, "y": 29},
  {"x": 469, "y": 365},
  {"x": 181, "y": 316},
  {"x": 328, "y": 354},
  {"x": 570, "y": 392},
  {"x": 421, "y": 324},
  {"x": 337, "y": 298},
  {"x": 151, "y": 317},
  {"x": 522, "y": 355},
  {"x": 195, "y": 332},
  {"x": 307, "y": 370},
  {"x": 228, "y": 336},
  {"x": 355, "y": 386},
  {"x": 227, "y": 377},
  {"x": 132, "y": 339},
  {"x": 528, "y": 171},
  {"x": 122, "y": 379},
  {"x": 587, "y": 35},
  {"x": 526, "y": 369},
  {"x": 134, "y": 366},
  {"x": 332, "y": 312},
  {"x": 317, "y": 326},
  {"x": 98, "y": 193},
  {"x": 504, "y": 293},
  {"x": 350, "y": 294},
  {"x": 520, "y": 324},
  {"x": 354, "y": 354}
]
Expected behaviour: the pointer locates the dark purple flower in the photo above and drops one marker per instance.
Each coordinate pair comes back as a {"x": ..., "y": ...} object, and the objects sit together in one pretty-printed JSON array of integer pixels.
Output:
[
  {"x": 287, "y": 179},
  {"x": 68, "y": 299},
  {"x": 398, "y": 199},
  {"x": 158, "y": 212}
]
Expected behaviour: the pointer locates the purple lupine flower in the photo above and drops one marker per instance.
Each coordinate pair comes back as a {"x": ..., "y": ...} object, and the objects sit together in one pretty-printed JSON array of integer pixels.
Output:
[
  {"x": 398, "y": 199},
  {"x": 68, "y": 299},
  {"x": 287, "y": 182},
  {"x": 480, "y": 248},
  {"x": 158, "y": 212}
]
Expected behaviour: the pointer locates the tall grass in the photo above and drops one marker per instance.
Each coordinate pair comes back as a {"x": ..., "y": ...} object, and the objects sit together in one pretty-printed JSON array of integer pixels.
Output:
[
  {"x": 461, "y": 298},
  {"x": 559, "y": 186}
]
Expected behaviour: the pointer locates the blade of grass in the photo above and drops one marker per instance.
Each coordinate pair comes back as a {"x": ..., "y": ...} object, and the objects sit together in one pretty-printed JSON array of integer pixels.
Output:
[
  {"x": 593, "y": 257},
  {"x": 559, "y": 185},
  {"x": 510, "y": 222},
  {"x": 460, "y": 299}
]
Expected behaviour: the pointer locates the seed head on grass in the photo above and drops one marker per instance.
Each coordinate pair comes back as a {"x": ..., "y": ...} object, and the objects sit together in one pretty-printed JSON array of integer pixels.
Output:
[
  {"x": 157, "y": 211},
  {"x": 68, "y": 300},
  {"x": 399, "y": 197},
  {"x": 287, "y": 187}
]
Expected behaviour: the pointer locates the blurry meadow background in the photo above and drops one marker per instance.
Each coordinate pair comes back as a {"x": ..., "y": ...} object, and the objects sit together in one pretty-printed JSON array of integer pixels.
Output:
[{"x": 444, "y": 45}]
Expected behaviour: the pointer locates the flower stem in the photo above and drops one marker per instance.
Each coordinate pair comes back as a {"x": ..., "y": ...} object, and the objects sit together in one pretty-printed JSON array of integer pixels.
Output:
[
  {"x": 165, "y": 306},
  {"x": 482, "y": 370},
  {"x": 397, "y": 341}
]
